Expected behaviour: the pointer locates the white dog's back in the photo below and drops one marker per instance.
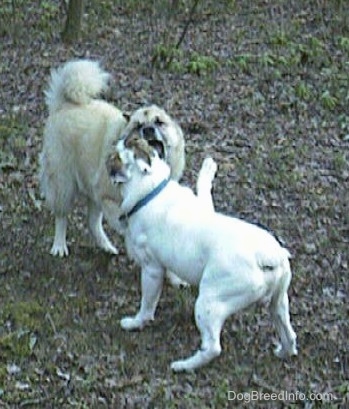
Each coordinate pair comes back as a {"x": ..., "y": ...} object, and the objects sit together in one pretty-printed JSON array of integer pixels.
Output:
[{"x": 195, "y": 235}]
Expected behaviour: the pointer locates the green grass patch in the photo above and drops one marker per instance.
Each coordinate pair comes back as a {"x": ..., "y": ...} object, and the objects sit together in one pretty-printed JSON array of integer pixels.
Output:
[
  {"x": 19, "y": 322},
  {"x": 13, "y": 130}
]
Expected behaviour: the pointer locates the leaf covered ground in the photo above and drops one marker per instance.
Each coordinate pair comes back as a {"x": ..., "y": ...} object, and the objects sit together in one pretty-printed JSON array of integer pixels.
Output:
[{"x": 260, "y": 86}]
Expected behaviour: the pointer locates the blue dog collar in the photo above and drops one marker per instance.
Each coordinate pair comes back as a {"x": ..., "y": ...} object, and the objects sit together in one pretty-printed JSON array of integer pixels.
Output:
[{"x": 141, "y": 203}]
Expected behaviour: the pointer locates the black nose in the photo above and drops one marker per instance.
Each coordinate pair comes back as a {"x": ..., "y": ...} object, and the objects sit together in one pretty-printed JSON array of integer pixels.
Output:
[{"x": 148, "y": 132}]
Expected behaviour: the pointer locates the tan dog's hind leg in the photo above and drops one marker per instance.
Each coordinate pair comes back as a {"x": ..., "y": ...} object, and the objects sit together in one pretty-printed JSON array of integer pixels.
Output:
[{"x": 95, "y": 217}]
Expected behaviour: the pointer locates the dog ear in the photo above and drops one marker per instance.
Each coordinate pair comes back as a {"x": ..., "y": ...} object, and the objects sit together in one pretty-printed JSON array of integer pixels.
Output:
[{"x": 116, "y": 169}]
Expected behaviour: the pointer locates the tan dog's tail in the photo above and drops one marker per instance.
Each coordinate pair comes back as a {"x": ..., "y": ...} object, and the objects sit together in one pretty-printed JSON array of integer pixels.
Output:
[{"x": 76, "y": 82}]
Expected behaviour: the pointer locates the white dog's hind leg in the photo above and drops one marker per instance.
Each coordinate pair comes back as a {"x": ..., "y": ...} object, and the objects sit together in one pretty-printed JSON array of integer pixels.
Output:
[
  {"x": 151, "y": 281},
  {"x": 281, "y": 318},
  {"x": 279, "y": 308},
  {"x": 204, "y": 182},
  {"x": 210, "y": 315},
  {"x": 216, "y": 302},
  {"x": 59, "y": 247},
  {"x": 95, "y": 217}
]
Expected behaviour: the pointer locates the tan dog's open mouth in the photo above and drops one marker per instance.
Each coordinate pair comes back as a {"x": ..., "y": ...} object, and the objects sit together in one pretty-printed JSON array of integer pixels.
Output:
[{"x": 152, "y": 135}]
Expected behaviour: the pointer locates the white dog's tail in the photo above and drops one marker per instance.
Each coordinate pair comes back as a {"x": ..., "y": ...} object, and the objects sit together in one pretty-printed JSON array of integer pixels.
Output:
[{"x": 77, "y": 82}]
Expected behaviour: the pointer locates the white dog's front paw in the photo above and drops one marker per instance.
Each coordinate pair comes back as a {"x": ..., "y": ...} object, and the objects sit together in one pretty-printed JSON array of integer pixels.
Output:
[
  {"x": 204, "y": 183},
  {"x": 208, "y": 169},
  {"x": 206, "y": 176},
  {"x": 132, "y": 323},
  {"x": 60, "y": 250}
]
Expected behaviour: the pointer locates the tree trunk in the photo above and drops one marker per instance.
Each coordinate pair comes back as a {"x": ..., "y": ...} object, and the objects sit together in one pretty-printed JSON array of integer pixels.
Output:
[{"x": 72, "y": 27}]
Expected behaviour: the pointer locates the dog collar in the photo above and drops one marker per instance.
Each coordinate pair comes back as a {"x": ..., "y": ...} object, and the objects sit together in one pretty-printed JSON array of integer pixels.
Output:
[{"x": 150, "y": 196}]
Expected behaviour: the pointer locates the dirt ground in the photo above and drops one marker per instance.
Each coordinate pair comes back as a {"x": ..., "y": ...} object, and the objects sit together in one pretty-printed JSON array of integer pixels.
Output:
[{"x": 260, "y": 86}]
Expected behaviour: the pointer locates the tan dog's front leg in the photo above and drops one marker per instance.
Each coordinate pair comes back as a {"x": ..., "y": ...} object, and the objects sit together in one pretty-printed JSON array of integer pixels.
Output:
[
  {"x": 59, "y": 247},
  {"x": 95, "y": 217},
  {"x": 152, "y": 280}
]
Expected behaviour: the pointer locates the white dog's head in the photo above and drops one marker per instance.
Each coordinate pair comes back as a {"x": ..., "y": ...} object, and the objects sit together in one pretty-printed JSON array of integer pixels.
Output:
[
  {"x": 136, "y": 165},
  {"x": 134, "y": 157},
  {"x": 162, "y": 133}
]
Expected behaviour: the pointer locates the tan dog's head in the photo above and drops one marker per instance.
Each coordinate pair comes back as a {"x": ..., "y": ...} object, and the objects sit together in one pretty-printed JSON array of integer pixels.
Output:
[{"x": 162, "y": 133}]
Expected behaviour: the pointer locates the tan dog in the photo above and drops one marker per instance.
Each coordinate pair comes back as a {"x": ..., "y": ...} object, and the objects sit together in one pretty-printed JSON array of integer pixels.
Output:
[{"x": 78, "y": 135}]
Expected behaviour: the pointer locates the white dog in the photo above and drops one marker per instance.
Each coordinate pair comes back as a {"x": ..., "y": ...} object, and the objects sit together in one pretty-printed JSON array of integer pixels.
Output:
[
  {"x": 78, "y": 135},
  {"x": 234, "y": 263}
]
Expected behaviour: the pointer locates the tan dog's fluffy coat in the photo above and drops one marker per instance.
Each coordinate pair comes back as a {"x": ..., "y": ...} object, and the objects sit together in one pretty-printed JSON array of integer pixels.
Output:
[{"x": 78, "y": 135}]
